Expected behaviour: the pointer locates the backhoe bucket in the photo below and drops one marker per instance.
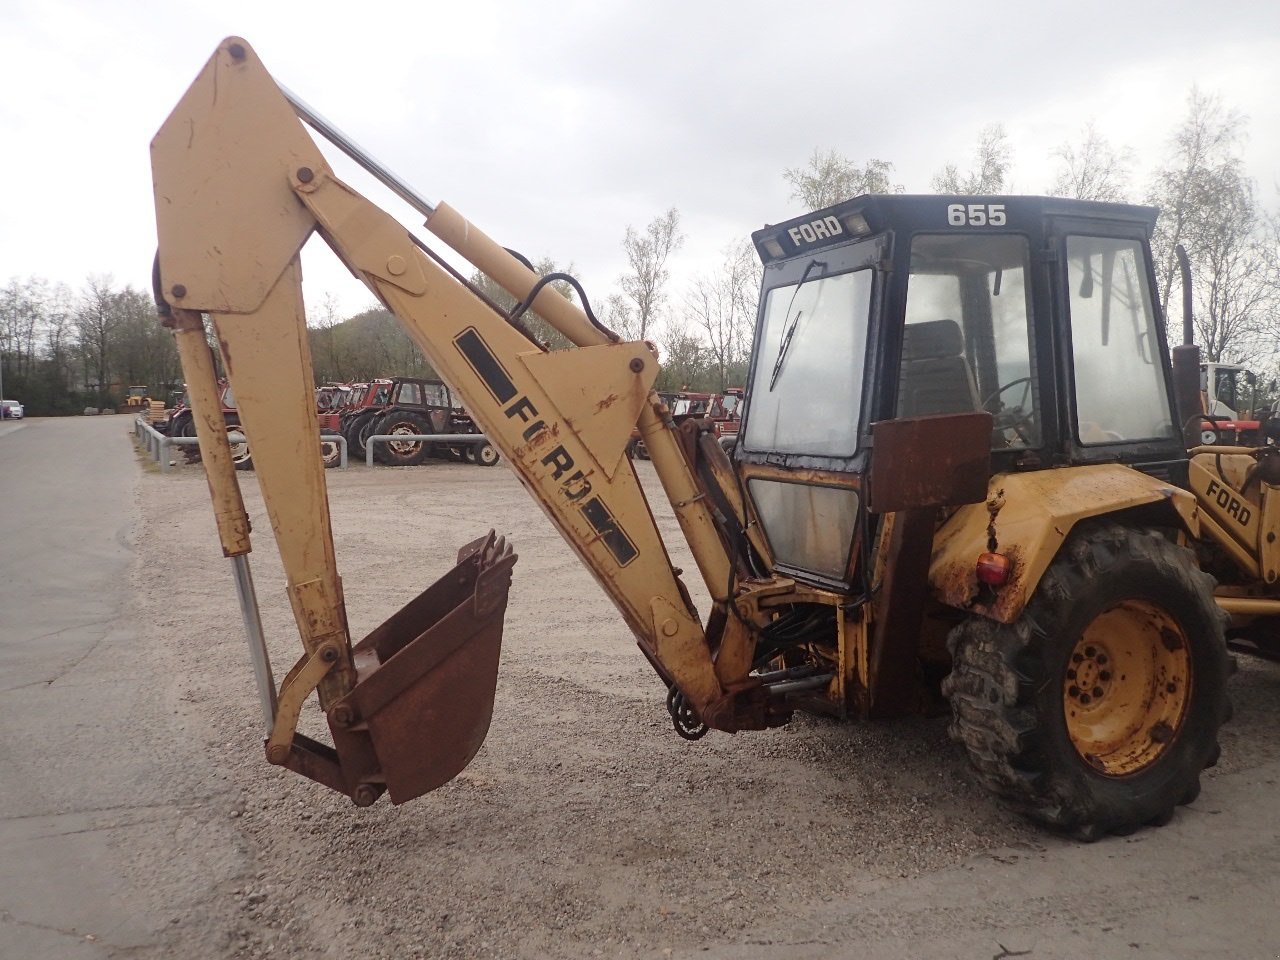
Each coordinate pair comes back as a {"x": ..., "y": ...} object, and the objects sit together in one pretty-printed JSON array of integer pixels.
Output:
[{"x": 428, "y": 675}]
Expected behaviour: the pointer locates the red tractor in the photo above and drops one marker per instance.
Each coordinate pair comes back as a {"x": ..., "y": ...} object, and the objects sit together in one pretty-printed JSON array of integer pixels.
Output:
[
  {"x": 411, "y": 406},
  {"x": 181, "y": 424},
  {"x": 722, "y": 410}
]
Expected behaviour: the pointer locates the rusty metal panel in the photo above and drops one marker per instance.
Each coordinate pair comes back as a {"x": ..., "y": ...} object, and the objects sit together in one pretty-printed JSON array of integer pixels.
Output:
[
  {"x": 929, "y": 461},
  {"x": 894, "y": 670},
  {"x": 429, "y": 674},
  {"x": 1027, "y": 517}
]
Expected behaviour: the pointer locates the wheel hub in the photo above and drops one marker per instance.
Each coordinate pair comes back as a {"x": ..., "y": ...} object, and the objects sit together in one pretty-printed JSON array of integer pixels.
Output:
[
  {"x": 1089, "y": 677},
  {"x": 1126, "y": 687},
  {"x": 403, "y": 447}
]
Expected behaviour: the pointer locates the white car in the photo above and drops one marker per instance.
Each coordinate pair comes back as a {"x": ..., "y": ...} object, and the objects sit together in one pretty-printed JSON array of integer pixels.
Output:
[{"x": 10, "y": 410}]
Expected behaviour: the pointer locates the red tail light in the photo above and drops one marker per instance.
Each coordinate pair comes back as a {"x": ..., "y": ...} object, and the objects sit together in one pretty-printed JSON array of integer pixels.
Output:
[{"x": 993, "y": 569}]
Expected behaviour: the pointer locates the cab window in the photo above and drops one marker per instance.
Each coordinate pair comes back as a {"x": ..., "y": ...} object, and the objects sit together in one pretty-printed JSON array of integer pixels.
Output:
[
  {"x": 967, "y": 342},
  {"x": 1120, "y": 392}
]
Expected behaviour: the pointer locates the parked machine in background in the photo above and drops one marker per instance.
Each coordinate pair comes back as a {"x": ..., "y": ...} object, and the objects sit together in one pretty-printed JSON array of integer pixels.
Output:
[
  {"x": 1233, "y": 414},
  {"x": 409, "y": 406},
  {"x": 721, "y": 410},
  {"x": 968, "y": 475},
  {"x": 136, "y": 400},
  {"x": 181, "y": 423}
]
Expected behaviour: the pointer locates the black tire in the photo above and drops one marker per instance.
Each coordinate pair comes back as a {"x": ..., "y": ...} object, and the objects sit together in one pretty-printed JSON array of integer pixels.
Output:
[
  {"x": 1021, "y": 715},
  {"x": 179, "y": 425},
  {"x": 1261, "y": 638},
  {"x": 469, "y": 454},
  {"x": 183, "y": 425},
  {"x": 487, "y": 455},
  {"x": 393, "y": 453},
  {"x": 353, "y": 428},
  {"x": 366, "y": 429}
]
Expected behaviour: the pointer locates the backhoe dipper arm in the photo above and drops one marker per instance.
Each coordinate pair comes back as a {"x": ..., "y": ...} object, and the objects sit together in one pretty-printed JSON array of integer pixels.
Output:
[{"x": 239, "y": 187}]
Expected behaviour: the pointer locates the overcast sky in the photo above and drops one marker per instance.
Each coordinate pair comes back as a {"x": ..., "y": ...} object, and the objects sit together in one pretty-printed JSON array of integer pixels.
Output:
[{"x": 553, "y": 126}]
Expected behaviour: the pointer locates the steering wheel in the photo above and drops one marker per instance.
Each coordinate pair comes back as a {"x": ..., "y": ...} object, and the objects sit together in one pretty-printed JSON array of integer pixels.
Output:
[{"x": 1015, "y": 417}]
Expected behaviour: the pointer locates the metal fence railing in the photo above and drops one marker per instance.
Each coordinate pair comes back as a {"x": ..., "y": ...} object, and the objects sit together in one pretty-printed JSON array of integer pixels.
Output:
[
  {"x": 158, "y": 444},
  {"x": 453, "y": 439}
]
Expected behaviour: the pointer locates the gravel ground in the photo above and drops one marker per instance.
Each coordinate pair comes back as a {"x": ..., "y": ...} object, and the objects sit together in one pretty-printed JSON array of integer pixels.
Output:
[{"x": 585, "y": 827}]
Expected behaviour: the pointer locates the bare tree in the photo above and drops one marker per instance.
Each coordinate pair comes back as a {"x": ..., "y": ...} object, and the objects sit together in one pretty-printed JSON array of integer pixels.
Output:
[
  {"x": 142, "y": 351},
  {"x": 96, "y": 321},
  {"x": 1092, "y": 169},
  {"x": 329, "y": 360},
  {"x": 1237, "y": 293},
  {"x": 22, "y": 307},
  {"x": 992, "y": 159},
  {"x": 647, "y": 255},
  {"x": 683, "y": 356},
  {"x": 619, "y": 315},
  {"x": 38, "y": 347},
  {"x": 831, "y": 177},
  {"x": 722, "y": 304},
  {"x": 542, "y": 331},
  {"x": 1202, "y": 168}
]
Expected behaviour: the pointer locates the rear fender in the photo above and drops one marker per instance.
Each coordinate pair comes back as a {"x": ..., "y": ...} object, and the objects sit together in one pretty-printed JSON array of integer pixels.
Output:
[{"x": 1028, "y": 516}]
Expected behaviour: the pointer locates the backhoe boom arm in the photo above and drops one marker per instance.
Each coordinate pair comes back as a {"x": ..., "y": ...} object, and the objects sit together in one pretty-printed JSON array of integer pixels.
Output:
[{"x": 240, "y": 186}]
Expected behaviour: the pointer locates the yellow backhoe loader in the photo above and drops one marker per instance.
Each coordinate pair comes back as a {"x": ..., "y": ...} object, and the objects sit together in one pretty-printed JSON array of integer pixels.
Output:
[{"x": 960, "y": 474}]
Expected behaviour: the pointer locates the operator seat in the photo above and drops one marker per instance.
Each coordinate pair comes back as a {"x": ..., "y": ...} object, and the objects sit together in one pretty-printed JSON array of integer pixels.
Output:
[{"x": 935, "y": 374}]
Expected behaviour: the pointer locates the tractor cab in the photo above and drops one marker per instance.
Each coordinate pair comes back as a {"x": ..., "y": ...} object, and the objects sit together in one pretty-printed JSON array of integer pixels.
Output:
[
  {"x": 1034, "y": 313},
  {"x": 1229, "y": 390}
]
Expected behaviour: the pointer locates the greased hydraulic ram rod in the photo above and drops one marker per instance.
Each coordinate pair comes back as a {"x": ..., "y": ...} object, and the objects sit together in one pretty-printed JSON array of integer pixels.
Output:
[{"x": 228, "y": 506}]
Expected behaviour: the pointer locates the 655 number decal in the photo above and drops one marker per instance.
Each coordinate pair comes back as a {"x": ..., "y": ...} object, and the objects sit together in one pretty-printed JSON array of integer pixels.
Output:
[{"x": 976, "y": 215}]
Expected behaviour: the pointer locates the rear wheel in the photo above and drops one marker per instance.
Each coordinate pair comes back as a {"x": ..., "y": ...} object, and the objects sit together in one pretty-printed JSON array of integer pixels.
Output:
[
  {"x": 1095, "y": 711},
  {"x": 401, "y": 453},
  {"x": 486, "y": 454}
]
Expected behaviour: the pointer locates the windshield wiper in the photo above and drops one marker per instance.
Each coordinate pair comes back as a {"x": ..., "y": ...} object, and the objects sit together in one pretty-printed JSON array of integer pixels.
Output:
[{"x": 790, "y": 330}]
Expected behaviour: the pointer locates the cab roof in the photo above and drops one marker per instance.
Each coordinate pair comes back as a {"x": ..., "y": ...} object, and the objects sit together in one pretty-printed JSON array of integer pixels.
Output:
[{"x": 910, "y": 213}]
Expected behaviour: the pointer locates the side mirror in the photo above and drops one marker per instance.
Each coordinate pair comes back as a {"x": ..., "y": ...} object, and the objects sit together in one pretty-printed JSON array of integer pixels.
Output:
[{"x": 1250, "y": 377}]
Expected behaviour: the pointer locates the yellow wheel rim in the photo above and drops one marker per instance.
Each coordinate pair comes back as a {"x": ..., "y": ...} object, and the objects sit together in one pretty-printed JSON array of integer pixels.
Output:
[{"x": 1126, "y": 688}]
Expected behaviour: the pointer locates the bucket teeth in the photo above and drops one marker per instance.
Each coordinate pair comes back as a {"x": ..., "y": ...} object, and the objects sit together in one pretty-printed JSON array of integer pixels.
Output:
[{"x": 427, "y": 676}]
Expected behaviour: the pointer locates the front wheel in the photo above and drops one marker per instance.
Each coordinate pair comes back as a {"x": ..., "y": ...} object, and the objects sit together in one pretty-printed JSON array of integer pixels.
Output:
[
  {"x": 353, "y": 428},
  {"x": 1095, "y": 711},
  {"x": 486, "y": 454},
  {"x": 330, "y": 453}
]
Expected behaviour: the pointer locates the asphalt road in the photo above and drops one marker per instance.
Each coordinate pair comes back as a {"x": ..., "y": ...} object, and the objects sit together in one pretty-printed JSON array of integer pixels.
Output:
[{"x": 96, "y": 851}]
